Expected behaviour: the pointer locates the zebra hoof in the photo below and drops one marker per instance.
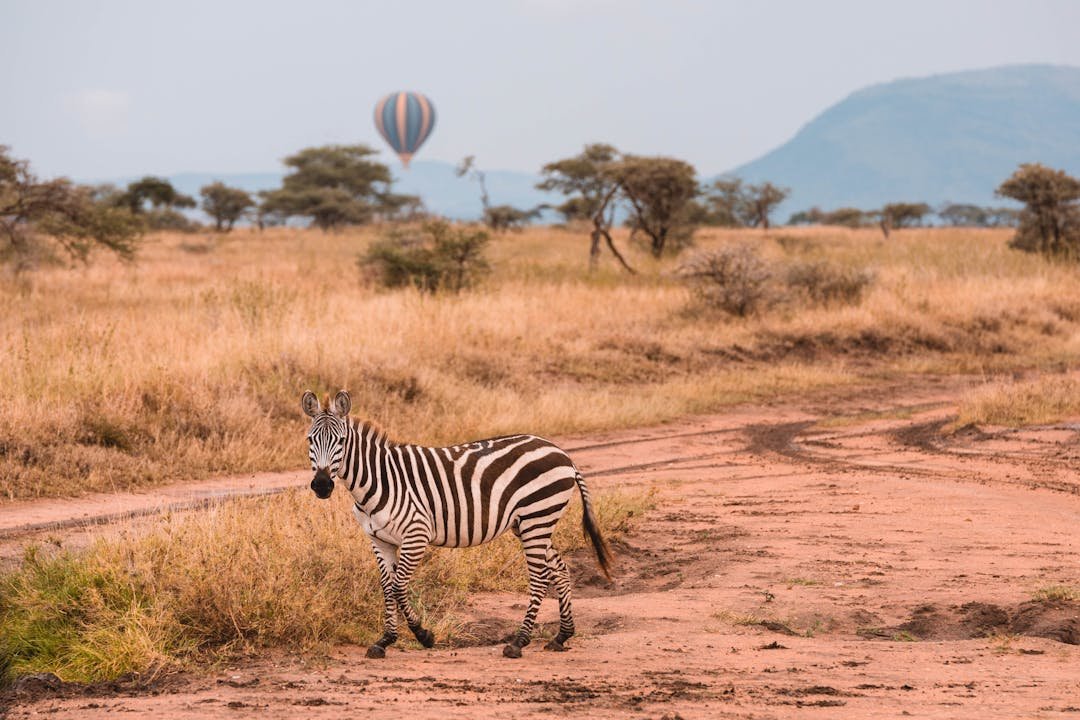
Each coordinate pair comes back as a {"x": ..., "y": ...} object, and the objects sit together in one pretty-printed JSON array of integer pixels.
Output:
[
  {"x": 512, "y": 651},
  {"x": 425, "y": 637},
  {"x": 376, "y": 651},
  {"x": 556, "y": 646}
]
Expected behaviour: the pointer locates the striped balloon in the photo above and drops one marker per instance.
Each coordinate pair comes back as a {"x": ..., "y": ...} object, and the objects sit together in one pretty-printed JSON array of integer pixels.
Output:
[{"x": 405, "y": 120}]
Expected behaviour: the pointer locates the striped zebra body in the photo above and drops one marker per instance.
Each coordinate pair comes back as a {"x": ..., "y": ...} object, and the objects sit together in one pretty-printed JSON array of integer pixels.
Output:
[{"x": 408, "y": 497}]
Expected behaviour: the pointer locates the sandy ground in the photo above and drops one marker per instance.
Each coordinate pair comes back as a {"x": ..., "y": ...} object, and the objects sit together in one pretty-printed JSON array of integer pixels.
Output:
[{"x": 841, "y": 557}]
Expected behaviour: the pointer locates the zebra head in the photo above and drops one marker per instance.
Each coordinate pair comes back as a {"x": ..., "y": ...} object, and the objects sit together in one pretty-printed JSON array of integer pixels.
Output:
[{"x": 326, "y": 439}]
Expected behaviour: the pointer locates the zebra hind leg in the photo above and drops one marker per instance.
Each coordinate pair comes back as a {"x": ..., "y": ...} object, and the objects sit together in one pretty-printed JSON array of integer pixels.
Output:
[
  {"x": 560, "y": 580},
  {"x": 537, "y": 546}
]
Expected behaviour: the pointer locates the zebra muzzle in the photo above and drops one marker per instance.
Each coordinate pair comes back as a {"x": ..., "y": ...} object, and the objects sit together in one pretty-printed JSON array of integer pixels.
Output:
[{"x": 322, "y": 484}]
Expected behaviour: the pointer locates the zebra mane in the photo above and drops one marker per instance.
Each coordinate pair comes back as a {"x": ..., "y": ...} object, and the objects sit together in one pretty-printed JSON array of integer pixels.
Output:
[{"x": 376, "y": 430}]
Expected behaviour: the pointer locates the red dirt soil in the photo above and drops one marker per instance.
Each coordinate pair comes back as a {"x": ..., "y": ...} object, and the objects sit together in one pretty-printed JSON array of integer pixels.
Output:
[{"x": 842, "y": 557}]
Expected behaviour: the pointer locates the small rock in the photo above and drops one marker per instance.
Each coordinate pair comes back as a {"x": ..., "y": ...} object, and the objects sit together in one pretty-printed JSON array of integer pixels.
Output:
[{"x": 38, "y": 682}]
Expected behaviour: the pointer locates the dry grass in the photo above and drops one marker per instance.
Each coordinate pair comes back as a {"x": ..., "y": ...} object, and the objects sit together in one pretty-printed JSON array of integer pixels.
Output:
[
  {"x": 1054, "y": 593},
  {"x": 286, "y": 571},
  {"x": 190, "y": 364},
  {"x": 1047, "y": 399}
]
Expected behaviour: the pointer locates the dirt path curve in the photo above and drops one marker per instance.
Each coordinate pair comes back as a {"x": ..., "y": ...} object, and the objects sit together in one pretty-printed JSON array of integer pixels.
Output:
[{"x": 841, "y": 556}]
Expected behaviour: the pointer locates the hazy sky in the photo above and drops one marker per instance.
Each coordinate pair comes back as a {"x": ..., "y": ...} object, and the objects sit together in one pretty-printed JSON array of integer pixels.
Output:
[{"x": 105, "y": 88}]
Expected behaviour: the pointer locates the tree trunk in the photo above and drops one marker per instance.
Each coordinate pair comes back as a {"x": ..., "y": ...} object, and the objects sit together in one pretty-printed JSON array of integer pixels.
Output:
[
  {"x": 594, "y": 249},
  {"x": 886, "y": 227},
  {"x": 615, "y": 252}
]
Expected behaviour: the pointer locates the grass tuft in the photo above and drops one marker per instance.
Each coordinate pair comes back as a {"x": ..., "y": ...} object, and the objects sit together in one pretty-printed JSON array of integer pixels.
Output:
[{"x": 1051, "y": 593}]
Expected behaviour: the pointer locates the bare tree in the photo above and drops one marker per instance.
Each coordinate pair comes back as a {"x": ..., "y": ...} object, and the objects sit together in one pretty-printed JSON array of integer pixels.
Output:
[{"x": 497, "y": 217}]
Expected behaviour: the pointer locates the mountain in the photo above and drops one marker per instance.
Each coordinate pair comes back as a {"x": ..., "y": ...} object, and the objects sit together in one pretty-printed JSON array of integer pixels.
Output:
[
  {"x": 435, "y": 182},
  {"x": 944, "y": 138}
]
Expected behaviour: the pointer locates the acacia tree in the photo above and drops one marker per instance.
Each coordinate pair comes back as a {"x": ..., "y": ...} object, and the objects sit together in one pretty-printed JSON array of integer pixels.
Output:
[
  {"x": 966, "y": 215},
  {"x": 1050, "y": 220},
  {"x": 660, "y": 191},
  {"x": 158, "y": 192},
  {"x": 759, "y": 201},
  {"x": 581, "y": 179},
  {"x": 225, "y": 204},
  {"x": 726, "y": 203},
  {"x": 333, "y": 185},
  {"x": 590, "y": 185},
  {"x": 734, "y": 204},
  {"x": 158, "y": 203},
  {"x": 34, "y": 212},
  {"x": 901, "y": 215}
]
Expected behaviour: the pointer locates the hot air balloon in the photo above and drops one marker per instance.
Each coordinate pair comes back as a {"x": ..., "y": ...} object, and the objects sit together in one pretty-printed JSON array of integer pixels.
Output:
[{"x": 405, "y": 120}]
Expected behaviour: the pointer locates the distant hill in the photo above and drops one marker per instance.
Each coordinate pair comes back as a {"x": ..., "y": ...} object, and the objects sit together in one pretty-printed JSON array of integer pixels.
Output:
[{"x": 944, "y": 138}]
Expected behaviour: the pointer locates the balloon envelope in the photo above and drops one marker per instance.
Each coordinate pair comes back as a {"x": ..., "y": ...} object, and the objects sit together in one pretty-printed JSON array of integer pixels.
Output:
[{"x": 405, "y": 120}]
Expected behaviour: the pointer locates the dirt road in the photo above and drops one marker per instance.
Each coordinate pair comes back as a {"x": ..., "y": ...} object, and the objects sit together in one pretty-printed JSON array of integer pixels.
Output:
[{"x": 842, "y": 557}]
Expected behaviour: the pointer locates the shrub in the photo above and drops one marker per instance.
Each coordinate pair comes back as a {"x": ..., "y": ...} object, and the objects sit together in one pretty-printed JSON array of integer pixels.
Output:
[
  {"x": 823, "y": 283},
  {"x": 437, "y": 256},
  {"x": 732, "y": 278}
]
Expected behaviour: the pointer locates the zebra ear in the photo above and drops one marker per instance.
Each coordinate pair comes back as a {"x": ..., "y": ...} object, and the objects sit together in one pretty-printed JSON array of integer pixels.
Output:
[
  {"x": 342, "y": 403},
  {"x": 310, "y": 403}
]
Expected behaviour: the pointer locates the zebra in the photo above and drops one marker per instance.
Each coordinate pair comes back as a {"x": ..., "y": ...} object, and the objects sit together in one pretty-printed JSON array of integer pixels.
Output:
[{"x": 407, "y": 497}]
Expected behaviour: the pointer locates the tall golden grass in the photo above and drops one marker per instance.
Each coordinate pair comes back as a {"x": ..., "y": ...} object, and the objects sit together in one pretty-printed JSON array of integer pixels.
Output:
[
  {"x": 1040, "y": 401},
  {"x": 285, "y": 571},
  {"x": 190, "y": 362}
]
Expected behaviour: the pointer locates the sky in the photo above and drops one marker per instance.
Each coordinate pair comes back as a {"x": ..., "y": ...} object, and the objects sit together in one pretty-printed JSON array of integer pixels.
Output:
[{"x": 96, "y": 89}]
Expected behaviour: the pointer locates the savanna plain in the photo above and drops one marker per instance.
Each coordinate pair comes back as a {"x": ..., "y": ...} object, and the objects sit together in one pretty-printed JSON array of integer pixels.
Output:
[{"x": 860, "y": 496}]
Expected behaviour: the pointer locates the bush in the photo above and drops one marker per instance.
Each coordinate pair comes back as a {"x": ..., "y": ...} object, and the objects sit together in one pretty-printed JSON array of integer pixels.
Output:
[
  {"x": 437, "y": 256},
  {"x": 732, "y": 278},
  {"x": 822, "y": 283},
  {"x": 170, "y": 220}
]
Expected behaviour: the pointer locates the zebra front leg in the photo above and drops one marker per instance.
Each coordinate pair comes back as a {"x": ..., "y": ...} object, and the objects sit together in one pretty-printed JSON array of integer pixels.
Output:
[
  {"x": 412, "y": 552},
  {"x": 560, "y": 580},
  {"x": 386, "y": 556},
  {"x": 537, "y": 545}
]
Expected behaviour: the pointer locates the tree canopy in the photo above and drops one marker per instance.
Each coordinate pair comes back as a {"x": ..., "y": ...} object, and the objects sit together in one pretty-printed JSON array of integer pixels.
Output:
[
  {"x": 225, "y": 204},
  {"x": 1050, "y": 220},
  {"x": 660, "y": 191},
  {"x": 155, "y": 191},
  {"x": 334, "y": 185},
  {"x": 731, "y": 203},
  {"x": 583, "y": 179},
  {"x": 36, "y": 215}
]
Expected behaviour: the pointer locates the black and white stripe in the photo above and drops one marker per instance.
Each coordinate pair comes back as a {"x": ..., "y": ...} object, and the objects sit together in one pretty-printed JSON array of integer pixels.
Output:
[{"x": 408, "y": 497}]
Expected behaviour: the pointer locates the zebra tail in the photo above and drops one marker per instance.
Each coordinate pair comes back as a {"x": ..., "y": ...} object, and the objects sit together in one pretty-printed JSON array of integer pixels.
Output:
[{"x": 592, "y": 529}]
